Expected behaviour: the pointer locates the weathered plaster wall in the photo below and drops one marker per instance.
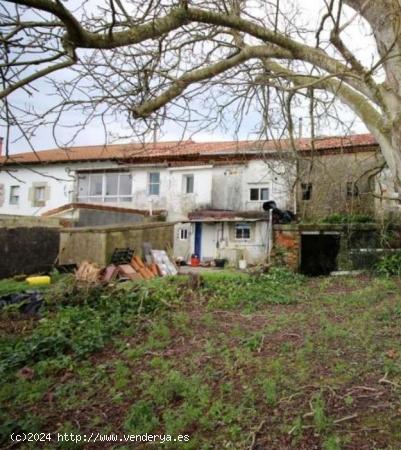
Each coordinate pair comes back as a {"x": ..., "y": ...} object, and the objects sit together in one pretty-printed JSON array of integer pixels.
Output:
[
  {"x": 98, "y": 243},
  {"x": 361, "y": 245},
  {"x": 27, "y": 250},
  {"x": 180, "y": 203},
  {"x": 60, "y": 186},
  {"x": 232, "y": 184},
  {"x": 329, "y": 175}
]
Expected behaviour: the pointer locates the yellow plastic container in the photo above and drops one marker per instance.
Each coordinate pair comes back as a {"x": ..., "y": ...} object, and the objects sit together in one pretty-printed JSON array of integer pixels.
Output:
[{"x": 38, "y": 281}]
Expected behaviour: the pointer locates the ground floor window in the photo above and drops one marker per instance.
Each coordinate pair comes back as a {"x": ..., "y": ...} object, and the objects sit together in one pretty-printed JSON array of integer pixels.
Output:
[
  {"x": 242, "y": 231},
  {"x": 107, "y": 187},
  {"x": 183, "y": 234}
]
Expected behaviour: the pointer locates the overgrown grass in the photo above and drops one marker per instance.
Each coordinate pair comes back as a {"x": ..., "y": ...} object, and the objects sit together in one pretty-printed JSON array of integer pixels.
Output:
[{"x": 275, "y": 360}]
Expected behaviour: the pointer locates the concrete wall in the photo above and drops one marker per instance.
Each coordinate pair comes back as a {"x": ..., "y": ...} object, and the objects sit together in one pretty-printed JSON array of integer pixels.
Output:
[
  {"x": 12, "y": 221},
  {"x": 27, "y": 250},
  {"x": 97, "y": 244},
  {"x": 232, "y": 184},
  {"x": 91, "y": 217},
  {"x": 361, "y": 245}
]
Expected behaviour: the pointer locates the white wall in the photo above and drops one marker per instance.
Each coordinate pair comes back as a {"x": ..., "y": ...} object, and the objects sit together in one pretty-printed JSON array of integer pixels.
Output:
[
  {"x": 276, "y": 176},
  {"x": 232, "y": 184},
  {"x": 61, "y": 180},
  {"x": 222, "y": 187},
  {"x": 60, "y": 188},
  {"x": 180, "y": 203}
]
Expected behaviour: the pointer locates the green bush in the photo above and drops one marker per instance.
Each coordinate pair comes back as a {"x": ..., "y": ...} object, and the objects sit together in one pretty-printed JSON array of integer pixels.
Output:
[
  {"x": 389, "y": 265},
  {"x": 84, "y": 326},
  {"x": 234, "y": 289},
  {"x": 343, "y": 218}
]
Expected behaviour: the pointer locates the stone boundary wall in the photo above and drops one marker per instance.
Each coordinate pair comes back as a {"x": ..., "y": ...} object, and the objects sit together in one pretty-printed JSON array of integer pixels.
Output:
[
  {"x": 96, "y": 244},
  {"x": 28, "y": 250},
  {"x": 361, "y": 244},
  {"x": 28, "y": 245}
]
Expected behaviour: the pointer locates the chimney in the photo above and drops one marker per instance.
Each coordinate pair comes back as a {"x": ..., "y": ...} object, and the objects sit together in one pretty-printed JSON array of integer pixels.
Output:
[{"x": 1, "y": 146}]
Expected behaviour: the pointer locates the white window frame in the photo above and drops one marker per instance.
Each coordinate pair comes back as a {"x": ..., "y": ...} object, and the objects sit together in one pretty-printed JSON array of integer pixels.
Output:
[
  {"x": 102, "y": 198},
  {"x": 185, "y": 179},
  {"x": 39, "y": 198},
  {"x": 259, "y": 188},
  {"x": 14, "y": 195},
  {"x": 183, "y": 234},
  {"x": 153, "y": 184},
  {"x": 242, "y": 226}
]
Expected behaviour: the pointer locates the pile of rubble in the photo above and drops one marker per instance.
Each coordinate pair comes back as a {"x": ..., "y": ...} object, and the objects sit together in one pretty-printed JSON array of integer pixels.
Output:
[{"x": 125, "y": 266}]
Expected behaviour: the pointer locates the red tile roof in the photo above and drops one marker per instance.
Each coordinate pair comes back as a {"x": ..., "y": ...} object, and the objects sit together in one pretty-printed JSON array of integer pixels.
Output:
[
  {"x": 174, "y": 149},
  {"x": 210, "y": 215}
]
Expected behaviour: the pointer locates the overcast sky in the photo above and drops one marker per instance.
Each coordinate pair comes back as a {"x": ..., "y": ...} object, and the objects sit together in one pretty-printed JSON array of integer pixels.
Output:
[{"x": 94, "y": 133}]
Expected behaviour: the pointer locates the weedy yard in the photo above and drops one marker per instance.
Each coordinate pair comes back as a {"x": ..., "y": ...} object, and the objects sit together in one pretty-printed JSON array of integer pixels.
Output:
[{"x": 236, "y": 361}]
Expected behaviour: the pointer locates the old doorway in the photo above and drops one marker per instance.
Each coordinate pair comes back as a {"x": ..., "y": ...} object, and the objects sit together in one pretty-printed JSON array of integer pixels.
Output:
[{"x": 319, "y": 253}]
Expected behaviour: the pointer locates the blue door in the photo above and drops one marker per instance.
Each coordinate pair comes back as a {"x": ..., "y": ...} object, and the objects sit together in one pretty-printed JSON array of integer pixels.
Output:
[{"x": 198, "y": 238}]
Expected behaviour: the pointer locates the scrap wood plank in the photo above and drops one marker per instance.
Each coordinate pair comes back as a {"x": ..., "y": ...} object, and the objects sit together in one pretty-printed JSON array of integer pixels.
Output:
[
  {"x": 128, "y": 271},
  {"x": 88, "y": 272},
  {"x": 110, "y": 273}
]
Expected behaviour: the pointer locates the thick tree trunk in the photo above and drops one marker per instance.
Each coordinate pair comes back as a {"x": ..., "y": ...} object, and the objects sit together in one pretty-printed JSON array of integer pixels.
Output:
[{"x": 384, "y": 17}]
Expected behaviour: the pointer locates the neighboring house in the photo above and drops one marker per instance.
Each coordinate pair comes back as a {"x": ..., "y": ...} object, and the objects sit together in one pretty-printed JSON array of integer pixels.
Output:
[
  {"x": 209, "y": 187},
  {"x": 338, "y": 176}
]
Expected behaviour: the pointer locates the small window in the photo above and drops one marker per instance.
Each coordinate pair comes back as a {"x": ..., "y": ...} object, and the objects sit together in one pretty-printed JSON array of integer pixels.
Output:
[
  {"x": 306, "y": 191},
  {"x": 242, "y": 231},
  {"x": 254, "y": 194},
  {"x": 39, "y": 196},
  {"x": 154, "y": 183},
  {"x": 183, "y": 234},
  {"x": 264, "y": 194},
  {"x": 188, "y": 184},
  {"x": 14, "y": 195},
  {"x": 352, "y": 189},
  {"x": 259, "y": 194}
]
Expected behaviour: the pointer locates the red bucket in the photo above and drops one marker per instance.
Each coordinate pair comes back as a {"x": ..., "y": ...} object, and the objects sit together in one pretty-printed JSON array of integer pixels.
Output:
[{"x": 195, "y": 261}]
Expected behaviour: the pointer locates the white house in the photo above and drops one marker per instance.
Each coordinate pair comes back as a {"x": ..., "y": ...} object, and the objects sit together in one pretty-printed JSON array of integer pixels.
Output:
[
  {"x": 180, "y": 178},
  {"x": 213, "y": 190}
]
